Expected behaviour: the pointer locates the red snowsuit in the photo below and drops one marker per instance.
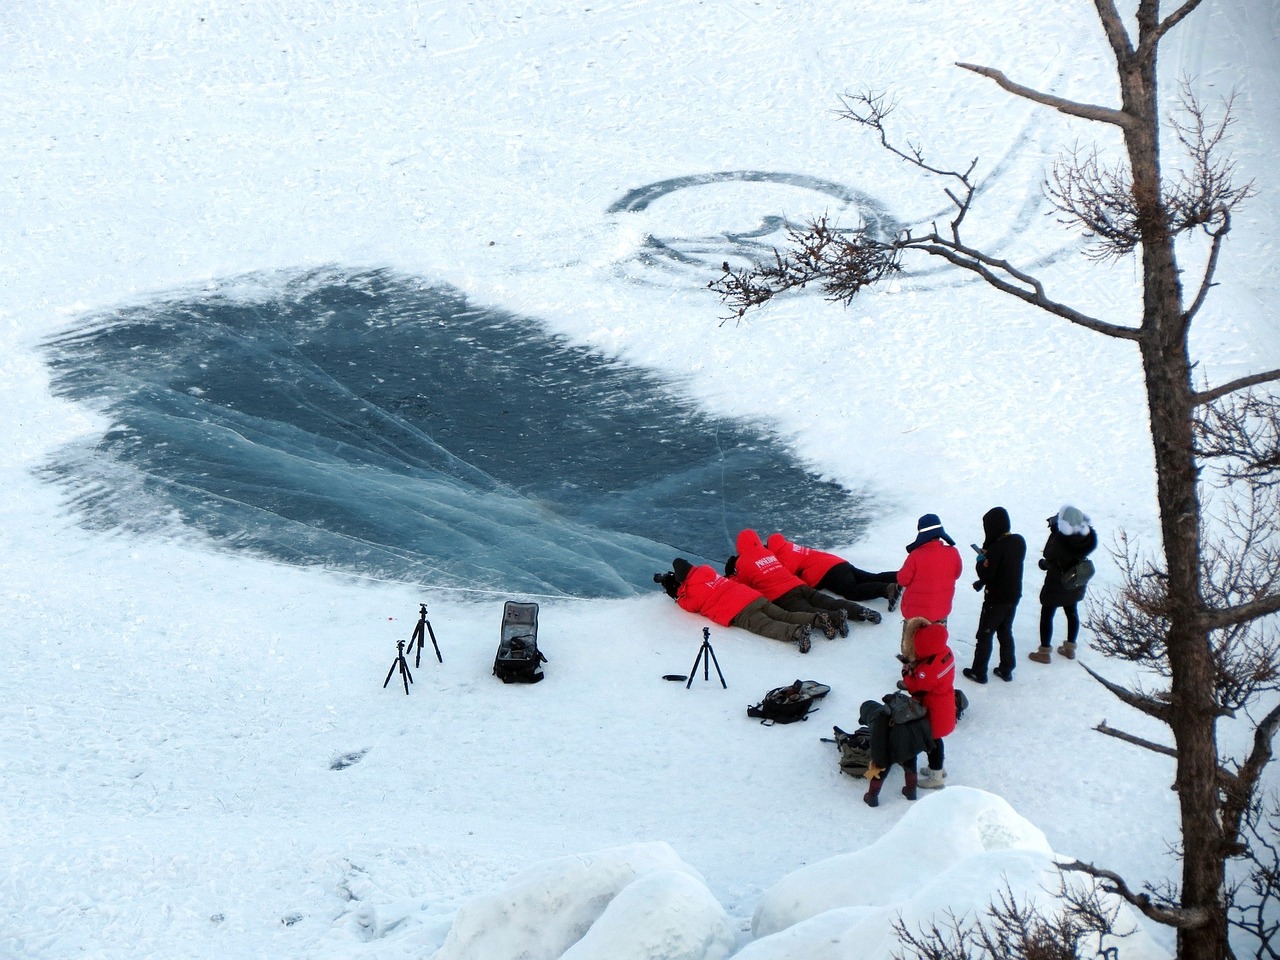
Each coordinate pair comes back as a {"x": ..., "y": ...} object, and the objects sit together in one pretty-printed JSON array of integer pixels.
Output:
[
  {"x": 715, "y": 597},
  {"x": 806, "y": 563},
  {"x": 931, "y": 675},
  {"x": 929, "y": 577},
  {"x": 760, "y": 569}
]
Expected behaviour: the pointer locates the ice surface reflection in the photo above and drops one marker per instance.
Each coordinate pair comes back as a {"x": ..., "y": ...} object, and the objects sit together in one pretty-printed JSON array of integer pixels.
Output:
[{"x": 386, "y": 426}]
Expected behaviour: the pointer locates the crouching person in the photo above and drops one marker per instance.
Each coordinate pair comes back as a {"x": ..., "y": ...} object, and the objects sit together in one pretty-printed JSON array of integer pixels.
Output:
[
  {"x": 899, "y": 730},
  {"x": 729, "y": 603},
  {"x": 929, "y": 675}
]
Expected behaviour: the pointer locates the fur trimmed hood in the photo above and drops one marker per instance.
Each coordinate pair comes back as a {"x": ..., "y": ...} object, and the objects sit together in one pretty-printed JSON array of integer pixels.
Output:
[{"x": 923, "y": 638}]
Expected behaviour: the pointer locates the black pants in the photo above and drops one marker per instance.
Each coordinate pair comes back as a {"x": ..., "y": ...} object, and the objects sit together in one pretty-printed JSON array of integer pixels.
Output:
[
  {"x": 1046, "y": 623},
  {"x": 996, "y": 618},
  {"x": 846, "y": 580},
  {"x": 937, "y": 755}
]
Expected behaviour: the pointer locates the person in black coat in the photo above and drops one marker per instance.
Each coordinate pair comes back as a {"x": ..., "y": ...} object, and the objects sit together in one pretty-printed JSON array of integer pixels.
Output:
[
  {"x": 899, "y": 730},
  {"x": 999, "y": 570},
  {"x": 1071, "y": 539}
]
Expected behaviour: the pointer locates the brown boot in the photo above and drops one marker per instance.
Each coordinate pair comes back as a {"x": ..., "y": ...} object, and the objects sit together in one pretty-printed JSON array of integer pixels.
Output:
[
  {"x": 1041, "y": 655},
  {"x": 872, "y": 797},
  {"x": 1068, "y": 650},
  {"x": 909, "y": 788}
]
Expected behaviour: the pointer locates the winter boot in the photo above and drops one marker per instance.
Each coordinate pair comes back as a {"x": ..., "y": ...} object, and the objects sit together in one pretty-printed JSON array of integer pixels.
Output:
[
  {"x": 933, "y": 779},
  {"x": 863, "y": 614},
  {"x": 971, "y": 674},
  {"x": 842, "y": 622},
  {"x": 894, "y": 592},
  {"x": 872, "y": 797},
  {"x": 801, "y": 633},
  {"x": 909, "y": 788},
  {"x": 1041, "y": 655},
  {"x": 1068, "y": 650},
  {"x": 827, "y": 626}
]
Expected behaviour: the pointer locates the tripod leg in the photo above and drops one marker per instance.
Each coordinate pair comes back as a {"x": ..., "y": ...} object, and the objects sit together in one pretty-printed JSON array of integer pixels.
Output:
[
  {"x": 433, "y": 642},
  {"x": 408, "y": 677},
  {"x": 693, "y": 674},
  {"x": 417, "y": 638},
  {"x": 717, "y": 663}
]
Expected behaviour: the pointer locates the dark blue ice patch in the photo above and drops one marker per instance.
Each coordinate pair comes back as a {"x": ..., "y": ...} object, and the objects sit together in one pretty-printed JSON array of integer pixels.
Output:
[{"x": 384, "y": 426}]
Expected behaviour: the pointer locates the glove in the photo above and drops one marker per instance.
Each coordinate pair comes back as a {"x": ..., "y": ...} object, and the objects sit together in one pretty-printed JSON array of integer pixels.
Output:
[
  {"x": 1044, "y": 564},
  {"x": 977, "y": 585}
]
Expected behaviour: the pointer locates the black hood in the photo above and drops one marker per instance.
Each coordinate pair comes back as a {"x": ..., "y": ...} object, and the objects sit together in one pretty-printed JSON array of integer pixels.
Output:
[{"x": 995, "y": 524}]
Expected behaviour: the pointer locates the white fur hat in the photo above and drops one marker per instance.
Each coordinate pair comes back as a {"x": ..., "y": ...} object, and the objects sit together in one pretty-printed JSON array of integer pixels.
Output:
[{"x": 1072, "y": 522}]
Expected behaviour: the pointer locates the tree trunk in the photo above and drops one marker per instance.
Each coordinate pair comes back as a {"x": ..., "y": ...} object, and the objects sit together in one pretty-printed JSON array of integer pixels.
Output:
[{"x": 1170, "y": 397}]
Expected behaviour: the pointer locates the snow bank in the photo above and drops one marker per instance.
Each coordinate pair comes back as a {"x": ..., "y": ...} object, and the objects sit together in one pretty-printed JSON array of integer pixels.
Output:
[{"x": 627, "y": 903}]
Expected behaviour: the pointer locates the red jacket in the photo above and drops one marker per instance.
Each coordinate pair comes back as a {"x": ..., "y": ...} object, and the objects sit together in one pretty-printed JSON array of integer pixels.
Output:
[
  {"x": 758, "y": 568},
  {"x": 715, "y": 597},
  {"x": 931, "y": 677},
  {"x": 806, "y": 563},
  {"x": 930, "y": 576}
]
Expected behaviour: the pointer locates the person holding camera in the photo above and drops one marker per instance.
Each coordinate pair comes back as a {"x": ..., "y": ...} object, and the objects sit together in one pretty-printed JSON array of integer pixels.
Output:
[
  {"x": 1071, "y": 539},
  {"x": 755, "y": 566},
  {"x": 826, "y": 571},
  {"x": 729, "y": 603},
  {"x": 999, "y": 570}
]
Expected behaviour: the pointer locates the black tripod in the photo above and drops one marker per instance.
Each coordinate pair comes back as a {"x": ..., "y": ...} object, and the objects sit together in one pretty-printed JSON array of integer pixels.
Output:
[
  {"x": 405, "y": 675},
  {"x": 706, "y": 656},
  {"x": 420, "y": 632}
]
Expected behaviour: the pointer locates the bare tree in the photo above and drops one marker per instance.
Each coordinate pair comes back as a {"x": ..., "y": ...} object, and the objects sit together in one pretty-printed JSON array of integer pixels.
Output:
[{"x": 1198, "y": 614}]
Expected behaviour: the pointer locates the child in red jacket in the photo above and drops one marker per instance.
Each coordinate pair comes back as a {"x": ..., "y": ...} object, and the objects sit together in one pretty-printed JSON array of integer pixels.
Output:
[{"x": 929, "y": 675}]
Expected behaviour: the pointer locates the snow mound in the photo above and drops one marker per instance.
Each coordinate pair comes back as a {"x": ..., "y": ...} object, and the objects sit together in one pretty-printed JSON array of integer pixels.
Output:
[{"x": 627, "y": 903}]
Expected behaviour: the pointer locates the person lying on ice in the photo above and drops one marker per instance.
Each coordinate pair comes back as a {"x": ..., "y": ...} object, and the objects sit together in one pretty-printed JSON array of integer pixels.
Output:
[
  {"x": 702, "y": 591},
  {"x": 755, "y": 566},
  {"x": 826, "y": 571}
]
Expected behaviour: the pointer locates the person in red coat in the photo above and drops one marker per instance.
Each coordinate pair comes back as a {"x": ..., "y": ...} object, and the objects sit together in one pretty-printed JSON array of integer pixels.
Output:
[
  {"x": 729, "y": 603},
  {"x": 930, "y": 572},
  {"x": 756, "y": 566},
  {"x": 826, "y": 571},
  {"x": 929, "y": 675}
]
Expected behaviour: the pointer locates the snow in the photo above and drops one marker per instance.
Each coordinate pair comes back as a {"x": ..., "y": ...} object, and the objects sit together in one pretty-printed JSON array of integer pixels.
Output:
[{"x": 199, "y": 755}]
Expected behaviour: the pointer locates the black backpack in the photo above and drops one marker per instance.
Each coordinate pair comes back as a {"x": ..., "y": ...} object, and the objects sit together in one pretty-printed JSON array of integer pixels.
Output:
[
  {"x": 518, "y": 659},
  {"x": 790, "y": 703},
  {"x": 1078, "y": 574},
  {"x": 855, "y": 751}
]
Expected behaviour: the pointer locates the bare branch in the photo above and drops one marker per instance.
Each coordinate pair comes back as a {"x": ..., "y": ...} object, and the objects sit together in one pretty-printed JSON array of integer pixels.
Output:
[
  {"x": 1178, "y": 917},
  {"x": 1242, "y": 613},
  {"x": 1085, "y": 111},
  {"x": 1113, "y": 27},
  {"x": 1253, "y": 380},
  {"x": 1240, "y": 797},
  {"x": 1151, "y": 706},
  {"x": 1149, "y": 43},
  {"x": 1151, "y": 745},
  {"x": 1210, "y": 268}
]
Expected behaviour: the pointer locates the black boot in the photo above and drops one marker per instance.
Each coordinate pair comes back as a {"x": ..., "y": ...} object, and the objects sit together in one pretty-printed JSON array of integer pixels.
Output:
[{"x": 872, "y": 797}]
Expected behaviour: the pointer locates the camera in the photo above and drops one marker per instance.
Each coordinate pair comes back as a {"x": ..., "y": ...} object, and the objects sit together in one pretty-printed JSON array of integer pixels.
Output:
[{"x": 657, "y": 577}]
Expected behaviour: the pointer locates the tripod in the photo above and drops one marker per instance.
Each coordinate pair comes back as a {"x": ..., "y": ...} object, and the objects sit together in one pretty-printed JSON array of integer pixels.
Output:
[
  {"x": 420, "y": 632},
  {"x": 706, "y": 656},
  {"x": 405, "y": 675}
]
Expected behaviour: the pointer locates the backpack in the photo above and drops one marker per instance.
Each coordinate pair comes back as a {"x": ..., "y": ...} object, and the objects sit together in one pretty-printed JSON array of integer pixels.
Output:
[
  {"x": 518, "y": 659},
  {"x": 962, "y": 704},
  {"x": 790, "y": 703},
  {"x": 1078, "y": 574},
  {"x": 855, "y": 751}
]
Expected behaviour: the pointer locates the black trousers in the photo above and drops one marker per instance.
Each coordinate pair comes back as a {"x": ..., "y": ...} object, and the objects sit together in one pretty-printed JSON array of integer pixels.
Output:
[
  {"x": 846, "y": 580},
  {"x": 995, "y": 618}
]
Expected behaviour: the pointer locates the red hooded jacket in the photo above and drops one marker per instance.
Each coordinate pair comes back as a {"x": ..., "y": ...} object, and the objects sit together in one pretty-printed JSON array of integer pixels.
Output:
[
  {"x": 760, "y": 569},
  {"x": 931, "y": 676},
  {"x": 929, "y": 577},
  {"x": 715, "y": 597},
  {"x": 806, "y": 563}
]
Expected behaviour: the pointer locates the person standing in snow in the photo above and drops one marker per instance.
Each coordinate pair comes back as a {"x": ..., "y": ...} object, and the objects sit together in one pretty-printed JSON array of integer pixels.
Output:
[
  {"x": 826, "y": 571},
  {"x": 930, "y": 572},
  {"x": 1071, "y": 539},
  {"x": 929, "y": 675},
  {"x": 702, "y": 591},
  {"x": 755, "y": 566},
  {"x": 894, "y": 738},
  {"x": 999, "y": 570}
]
